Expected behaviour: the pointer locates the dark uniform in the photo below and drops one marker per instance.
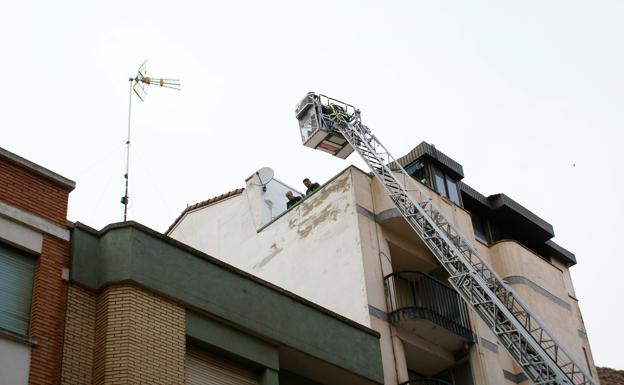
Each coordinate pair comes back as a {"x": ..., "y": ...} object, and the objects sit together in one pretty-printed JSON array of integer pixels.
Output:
[
  {"x": 292, "y": 202},
  {"x": 312, "y": 188}
]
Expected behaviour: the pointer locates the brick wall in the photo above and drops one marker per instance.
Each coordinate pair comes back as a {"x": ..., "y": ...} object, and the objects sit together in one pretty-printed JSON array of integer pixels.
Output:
[
  {"x": 30, "y": 192},
  {"x": 139, "y": 338},
  {"x": 33, "y": 193},
  {"x": 79, "y": 337},
  {"x": 47, "y": 312}
]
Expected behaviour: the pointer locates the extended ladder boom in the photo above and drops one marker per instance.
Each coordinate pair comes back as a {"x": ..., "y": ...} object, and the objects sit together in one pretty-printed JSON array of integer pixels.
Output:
[{"x": 534, "y": 349}]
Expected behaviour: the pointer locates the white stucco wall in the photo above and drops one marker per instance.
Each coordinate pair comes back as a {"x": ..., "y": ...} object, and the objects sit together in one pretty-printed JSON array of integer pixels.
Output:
[
  {"x": 14, "y": 362},
  {"x": 312, "y": 250}
]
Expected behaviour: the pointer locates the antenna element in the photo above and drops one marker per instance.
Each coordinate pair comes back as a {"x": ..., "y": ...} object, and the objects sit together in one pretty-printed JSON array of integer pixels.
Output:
[{"x": 138, "y": 85}]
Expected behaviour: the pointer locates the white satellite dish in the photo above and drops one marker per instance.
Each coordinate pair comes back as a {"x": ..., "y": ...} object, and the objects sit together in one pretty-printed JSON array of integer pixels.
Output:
[{"x": 262, "y": 177}]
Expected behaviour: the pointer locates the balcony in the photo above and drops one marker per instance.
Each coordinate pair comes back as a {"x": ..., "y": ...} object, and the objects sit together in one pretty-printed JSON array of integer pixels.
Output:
[{"x": 428, "y": 308}]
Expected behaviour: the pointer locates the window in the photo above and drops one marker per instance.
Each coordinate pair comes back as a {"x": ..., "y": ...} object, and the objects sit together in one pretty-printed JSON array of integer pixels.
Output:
[
  {"x": 439, "y": 183},
  {"x": 308, "y": 124},
  {"x": 417, "y": 171},
  {"x": 451, "y": 186},
  {"x": 480, "y": 227},
  {"x": 17, "y": 272},
  {"x": 446, "y": 186},
  {"x": 203, "y": 367}
]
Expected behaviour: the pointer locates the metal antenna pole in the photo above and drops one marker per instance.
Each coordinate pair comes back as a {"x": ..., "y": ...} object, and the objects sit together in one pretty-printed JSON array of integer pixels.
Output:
[
  {"x": 139, "y": 85},
  {"x": 124, "y": 200}
]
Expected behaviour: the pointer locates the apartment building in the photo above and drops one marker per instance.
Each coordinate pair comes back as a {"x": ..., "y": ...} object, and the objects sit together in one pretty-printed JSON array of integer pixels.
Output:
[
  {"x": 128, "y": 305},
  {"x": 34, "y": 257},
  {"x": 143, "y": 308},
  {"x": 347, "y": 248}
]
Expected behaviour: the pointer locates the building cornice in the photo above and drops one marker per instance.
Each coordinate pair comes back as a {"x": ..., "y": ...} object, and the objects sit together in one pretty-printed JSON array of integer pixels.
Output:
[{"x": 51, "y": 176}]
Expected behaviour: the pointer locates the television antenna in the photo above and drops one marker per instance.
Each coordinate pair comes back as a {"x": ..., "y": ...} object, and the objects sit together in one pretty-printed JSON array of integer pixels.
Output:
[
  {"x": 262, "y": 177},
  {"x": 139, "y": 85}
]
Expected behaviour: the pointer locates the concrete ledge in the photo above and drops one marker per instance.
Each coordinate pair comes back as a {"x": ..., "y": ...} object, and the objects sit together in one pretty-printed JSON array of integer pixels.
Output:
[
  {"x": 17, "y": 338},
  {"x": 378, "y": 313},
  {"x": 213, "y": 333},
  {"x": 21, "y": 236},
  {"x": 33, "y": 221},
  {"x": 518, "y": 279},
  {"x": 381, "y": 217}
]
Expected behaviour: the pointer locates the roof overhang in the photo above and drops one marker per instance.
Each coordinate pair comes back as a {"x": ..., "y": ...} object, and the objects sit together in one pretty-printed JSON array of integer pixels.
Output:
[
  {"x": 441, "y": 160},
  {"x": 508, "y": 212}
]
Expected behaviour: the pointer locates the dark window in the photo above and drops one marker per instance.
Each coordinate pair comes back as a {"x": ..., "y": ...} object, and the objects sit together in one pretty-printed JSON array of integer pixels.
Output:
[
  {"x": 417, "y": 171},
  {"x": 497, "y": 232},
  {"x": 452, "y": 190},
  {"x": 439, "y": 183},
  {"x": 480, "y": 227},
  {"x": 17, "y": 271},
  {"x": 446, "y": 186}
]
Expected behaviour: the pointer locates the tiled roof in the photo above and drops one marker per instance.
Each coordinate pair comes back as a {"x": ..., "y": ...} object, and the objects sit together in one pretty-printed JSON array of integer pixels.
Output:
[{"x": 203, "y": 204}]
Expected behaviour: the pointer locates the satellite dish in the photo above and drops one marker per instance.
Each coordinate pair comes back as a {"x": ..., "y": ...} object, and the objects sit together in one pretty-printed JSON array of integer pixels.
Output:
[{"x": 262, "y": 177}]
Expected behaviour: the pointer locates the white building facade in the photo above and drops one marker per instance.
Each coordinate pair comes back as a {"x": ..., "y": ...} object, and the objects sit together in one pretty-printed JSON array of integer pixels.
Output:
[{"x": 345, "y": 247}]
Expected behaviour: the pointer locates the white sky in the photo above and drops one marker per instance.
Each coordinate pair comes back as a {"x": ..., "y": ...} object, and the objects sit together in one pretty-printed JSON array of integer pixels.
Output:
[{"x": 528, "y": 96}]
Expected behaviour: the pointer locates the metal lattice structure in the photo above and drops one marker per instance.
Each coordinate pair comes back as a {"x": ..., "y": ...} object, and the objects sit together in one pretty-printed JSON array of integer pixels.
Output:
[{"x": 532, "y": 346}]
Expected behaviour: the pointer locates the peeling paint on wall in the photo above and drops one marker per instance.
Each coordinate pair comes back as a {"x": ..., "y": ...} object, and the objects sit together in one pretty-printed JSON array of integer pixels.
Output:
[
  {"x": 310, "y": 222},
  {"x": 316, "y": 241},
  {"x": 338, "y": 185}
]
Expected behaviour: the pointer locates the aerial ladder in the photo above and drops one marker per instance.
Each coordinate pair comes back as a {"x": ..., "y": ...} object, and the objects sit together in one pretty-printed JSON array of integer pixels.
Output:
[{"x": 336, "y": 127}]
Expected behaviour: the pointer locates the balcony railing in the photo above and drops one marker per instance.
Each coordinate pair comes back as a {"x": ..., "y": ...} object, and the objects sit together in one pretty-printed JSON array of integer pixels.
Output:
[
  {"x": 425, "y": 381},
  {"x": 414, "y": 294}
]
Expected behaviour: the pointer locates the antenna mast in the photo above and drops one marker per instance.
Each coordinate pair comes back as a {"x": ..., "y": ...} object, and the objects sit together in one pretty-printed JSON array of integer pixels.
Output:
[{"x": 138, "y": 85}]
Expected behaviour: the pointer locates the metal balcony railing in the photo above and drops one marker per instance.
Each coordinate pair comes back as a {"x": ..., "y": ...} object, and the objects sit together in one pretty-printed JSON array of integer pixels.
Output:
[{"x": 414, "y": 294}]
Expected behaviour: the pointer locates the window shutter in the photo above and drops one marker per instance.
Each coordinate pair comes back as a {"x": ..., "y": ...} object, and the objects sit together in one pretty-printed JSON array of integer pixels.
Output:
[
  {"x": 17, "y": 272},
  {"x": 204, "y": 368}
]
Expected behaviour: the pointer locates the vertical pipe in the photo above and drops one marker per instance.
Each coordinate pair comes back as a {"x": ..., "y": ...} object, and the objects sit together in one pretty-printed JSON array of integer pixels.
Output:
[{"x": 125, "y": 199}]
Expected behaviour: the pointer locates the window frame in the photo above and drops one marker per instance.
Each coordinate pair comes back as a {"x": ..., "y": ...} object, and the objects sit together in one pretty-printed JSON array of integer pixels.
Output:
[
  {"x": 29, "y": 261},
  {"x": 424, "y": 167},
  {"x": 445, "y": 188},
  {"x": 485, "y": 226}
]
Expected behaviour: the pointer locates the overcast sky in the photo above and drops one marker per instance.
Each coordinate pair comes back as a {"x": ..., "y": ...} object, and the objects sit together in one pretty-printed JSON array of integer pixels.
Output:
[{"x": 528, "y": 96}]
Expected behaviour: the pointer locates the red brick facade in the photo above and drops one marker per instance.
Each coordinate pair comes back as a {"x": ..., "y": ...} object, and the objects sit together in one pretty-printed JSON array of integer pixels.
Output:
[
  {"x": 28, "y": 191},
  {"x": 47, "y": 312}
]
